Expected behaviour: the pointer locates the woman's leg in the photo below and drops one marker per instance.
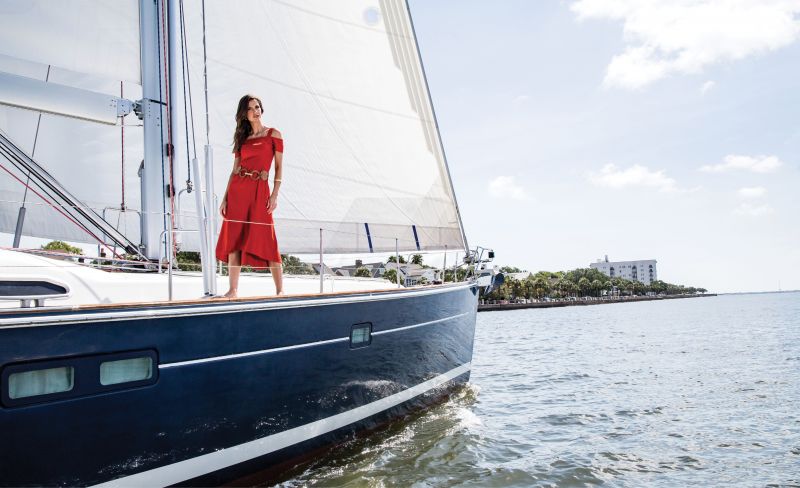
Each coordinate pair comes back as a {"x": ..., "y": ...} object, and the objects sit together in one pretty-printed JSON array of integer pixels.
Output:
[
  {"x": 277, "y": 276},
  {"x": 234, "y": 267}
]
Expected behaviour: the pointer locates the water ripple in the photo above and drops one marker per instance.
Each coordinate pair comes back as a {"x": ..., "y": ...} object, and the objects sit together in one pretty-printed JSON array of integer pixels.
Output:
[{"x": 700, "y": 392}]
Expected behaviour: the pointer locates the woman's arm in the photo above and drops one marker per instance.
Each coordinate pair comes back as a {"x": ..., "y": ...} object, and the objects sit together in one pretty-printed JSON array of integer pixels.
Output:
[
  {"x": 272, "y": 203},
  {"x": 224, "y": 205}
]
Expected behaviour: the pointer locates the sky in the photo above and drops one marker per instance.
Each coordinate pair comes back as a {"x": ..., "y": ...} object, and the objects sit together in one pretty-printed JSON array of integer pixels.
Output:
[
  {"x": 636, "y": 129},
  {"x": 633, "y": 129}
]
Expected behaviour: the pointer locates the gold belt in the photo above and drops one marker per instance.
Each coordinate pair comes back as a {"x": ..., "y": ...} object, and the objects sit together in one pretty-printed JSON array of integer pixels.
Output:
[{"x": 256, "y": 175}]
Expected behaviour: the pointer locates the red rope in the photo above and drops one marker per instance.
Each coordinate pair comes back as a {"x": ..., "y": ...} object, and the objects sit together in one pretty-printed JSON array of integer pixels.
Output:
[
  {"x": 56, "y": 208},
  {"x": 169, "y": 125}
]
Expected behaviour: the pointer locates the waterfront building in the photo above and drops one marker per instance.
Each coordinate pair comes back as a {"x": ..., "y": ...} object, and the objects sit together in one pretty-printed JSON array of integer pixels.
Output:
[
  {"x": 414, "y": 274},
  {"x": 376, "y": 270},
  {"x": 643, "y": 271}
]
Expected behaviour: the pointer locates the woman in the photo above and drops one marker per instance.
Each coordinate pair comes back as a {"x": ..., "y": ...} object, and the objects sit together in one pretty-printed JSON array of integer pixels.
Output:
[{"x": 248, "y": 232}]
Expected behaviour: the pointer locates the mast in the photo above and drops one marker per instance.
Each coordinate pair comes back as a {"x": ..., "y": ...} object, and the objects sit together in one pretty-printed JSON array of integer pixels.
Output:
[{"x": 156, "y": 133}]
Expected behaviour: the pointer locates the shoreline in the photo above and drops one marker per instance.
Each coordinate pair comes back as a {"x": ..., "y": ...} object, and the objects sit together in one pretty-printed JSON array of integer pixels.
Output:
[{"x": 491, "y": 307}]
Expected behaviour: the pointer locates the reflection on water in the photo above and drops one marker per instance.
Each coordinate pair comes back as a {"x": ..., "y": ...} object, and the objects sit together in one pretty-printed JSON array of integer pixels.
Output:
[{"x": 675, "y": 393}]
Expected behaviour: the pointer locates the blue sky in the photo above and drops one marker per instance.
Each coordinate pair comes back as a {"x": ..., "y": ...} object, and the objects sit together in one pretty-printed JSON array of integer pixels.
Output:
[{"x": 643, "y": 130}]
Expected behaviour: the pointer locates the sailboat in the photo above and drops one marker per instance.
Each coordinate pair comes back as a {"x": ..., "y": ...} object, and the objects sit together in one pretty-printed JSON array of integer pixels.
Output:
[{"x": 115, "y": 129}]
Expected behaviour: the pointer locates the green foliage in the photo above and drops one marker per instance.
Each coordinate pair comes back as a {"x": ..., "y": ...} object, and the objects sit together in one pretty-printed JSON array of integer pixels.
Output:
[
  {"x": 390, "y": 275},
  {"x": 293, "y": 265},
  {"x": 62, "y": 246},
  {"x": 188, "y": 261},
  {"x": 588, "y": 273},
  {"x": 363, "y": 272},
  {"x": 582, "y": 282},
  {"x": 416, "y": 259},
  {"x": 393, "y": 259},
  {"x": 460, "y": 274}
]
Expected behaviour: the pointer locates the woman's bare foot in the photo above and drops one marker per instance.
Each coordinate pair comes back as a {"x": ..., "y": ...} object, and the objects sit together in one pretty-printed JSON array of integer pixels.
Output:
[{"x": 231, "y": 294}]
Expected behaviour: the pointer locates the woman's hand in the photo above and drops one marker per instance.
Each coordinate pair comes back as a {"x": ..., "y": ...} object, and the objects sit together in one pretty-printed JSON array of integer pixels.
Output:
[
  {"x": 272, "y": 203},
  {"x": 223, "y": 207}
]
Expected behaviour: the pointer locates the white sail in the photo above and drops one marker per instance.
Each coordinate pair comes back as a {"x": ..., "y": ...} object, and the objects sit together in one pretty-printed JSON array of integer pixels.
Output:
[
  {"x": 91, "y": 45},
  {"x": 85, "y": 157},
  {"x": 343, "y": 82},
  {"x": 84, "y": 36}
]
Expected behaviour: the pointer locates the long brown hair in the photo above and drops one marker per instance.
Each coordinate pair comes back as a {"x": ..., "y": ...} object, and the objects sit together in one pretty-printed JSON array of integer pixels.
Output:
[{"x": 243, "y": 127}]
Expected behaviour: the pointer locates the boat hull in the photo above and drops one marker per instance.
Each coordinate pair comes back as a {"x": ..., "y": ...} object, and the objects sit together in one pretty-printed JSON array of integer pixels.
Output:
[{"x": 238, "y": 388}]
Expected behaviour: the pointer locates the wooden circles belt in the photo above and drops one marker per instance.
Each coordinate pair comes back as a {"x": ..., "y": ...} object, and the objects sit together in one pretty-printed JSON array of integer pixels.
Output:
[{"x": 256, "y": 175}]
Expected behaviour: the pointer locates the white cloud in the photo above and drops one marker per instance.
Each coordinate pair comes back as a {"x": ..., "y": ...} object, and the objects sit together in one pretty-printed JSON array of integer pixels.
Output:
[
  {"x": 521, "y": 99},
  {"x": 505, "y": 187},
  {"x": 752, "y": 192},
  {"x": 756, "y": 164},
  {"x": 753, "y": 210},
  {"x": 612, "y": 176},
  {"x": 707, "y": 86},
  {"x": 684, "y": 36}
]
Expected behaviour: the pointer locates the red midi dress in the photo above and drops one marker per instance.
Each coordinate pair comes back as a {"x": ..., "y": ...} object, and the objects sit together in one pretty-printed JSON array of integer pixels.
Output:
[{"x": 247, "y": 225}]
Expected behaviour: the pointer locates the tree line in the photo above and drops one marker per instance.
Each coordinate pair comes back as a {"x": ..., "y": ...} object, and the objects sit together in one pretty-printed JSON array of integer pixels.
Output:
[{"x": 581, "y": 282}]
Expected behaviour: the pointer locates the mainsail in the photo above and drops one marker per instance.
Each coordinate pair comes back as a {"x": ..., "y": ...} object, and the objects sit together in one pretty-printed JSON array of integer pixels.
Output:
[
  {"x": 343, "y": 82},
  {"x": 86, "y": 45}
]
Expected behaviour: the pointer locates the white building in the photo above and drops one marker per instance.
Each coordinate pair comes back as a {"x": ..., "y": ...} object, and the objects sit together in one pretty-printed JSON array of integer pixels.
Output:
[
  {"x": 414, "y": 274},
  {"x": 643, "y": 271}
]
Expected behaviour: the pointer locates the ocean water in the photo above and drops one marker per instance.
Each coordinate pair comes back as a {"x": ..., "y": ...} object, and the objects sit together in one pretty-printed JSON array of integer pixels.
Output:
[{"x": 693, "y": 392}]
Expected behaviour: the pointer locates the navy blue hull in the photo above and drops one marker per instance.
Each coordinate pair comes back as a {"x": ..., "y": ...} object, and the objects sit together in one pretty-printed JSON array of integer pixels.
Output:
[
  {"x": 277, "y": 464},
  {"x": 270, "y": 380}
]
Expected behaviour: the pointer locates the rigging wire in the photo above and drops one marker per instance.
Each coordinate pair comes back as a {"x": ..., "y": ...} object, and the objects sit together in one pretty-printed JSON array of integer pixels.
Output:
[
  {"x": 122, "y": 150},
  {"x": 54, "y": 206},
  {"x": 45, "y": 183},
  {"x": 188, "y": 79},
  {"x": 184, "y": 68}
]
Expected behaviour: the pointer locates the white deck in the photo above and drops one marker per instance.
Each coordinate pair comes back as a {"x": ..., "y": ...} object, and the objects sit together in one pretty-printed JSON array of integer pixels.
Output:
[{"x": 89, "y": 286}]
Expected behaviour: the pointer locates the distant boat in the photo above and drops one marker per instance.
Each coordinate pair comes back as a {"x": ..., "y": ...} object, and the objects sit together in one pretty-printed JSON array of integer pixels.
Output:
[{"x": 129, "y": 378}]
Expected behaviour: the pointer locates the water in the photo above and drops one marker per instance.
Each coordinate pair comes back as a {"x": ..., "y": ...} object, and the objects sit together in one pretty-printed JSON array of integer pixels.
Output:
[{"x": 695, "y": 392}]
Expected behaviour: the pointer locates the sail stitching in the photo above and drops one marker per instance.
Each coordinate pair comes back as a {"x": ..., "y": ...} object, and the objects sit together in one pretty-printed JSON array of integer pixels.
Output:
[{"x": 333, "y": 126}]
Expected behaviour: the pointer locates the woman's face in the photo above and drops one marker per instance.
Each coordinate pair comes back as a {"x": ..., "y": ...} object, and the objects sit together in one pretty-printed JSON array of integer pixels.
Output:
[{"x": 253, "y": 111}]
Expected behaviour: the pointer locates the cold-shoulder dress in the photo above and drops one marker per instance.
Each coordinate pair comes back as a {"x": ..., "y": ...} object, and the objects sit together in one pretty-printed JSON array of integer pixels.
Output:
[{"x": 247, "y": 225}]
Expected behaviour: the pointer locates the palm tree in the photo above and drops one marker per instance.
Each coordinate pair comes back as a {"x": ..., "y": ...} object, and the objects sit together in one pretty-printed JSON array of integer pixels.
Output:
[
  {"x": 517, "y": 288},
  {"x": 583, "y": 285},
  {"x": 416, "y": 259},
  {"x": 597, "y": 285}
]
